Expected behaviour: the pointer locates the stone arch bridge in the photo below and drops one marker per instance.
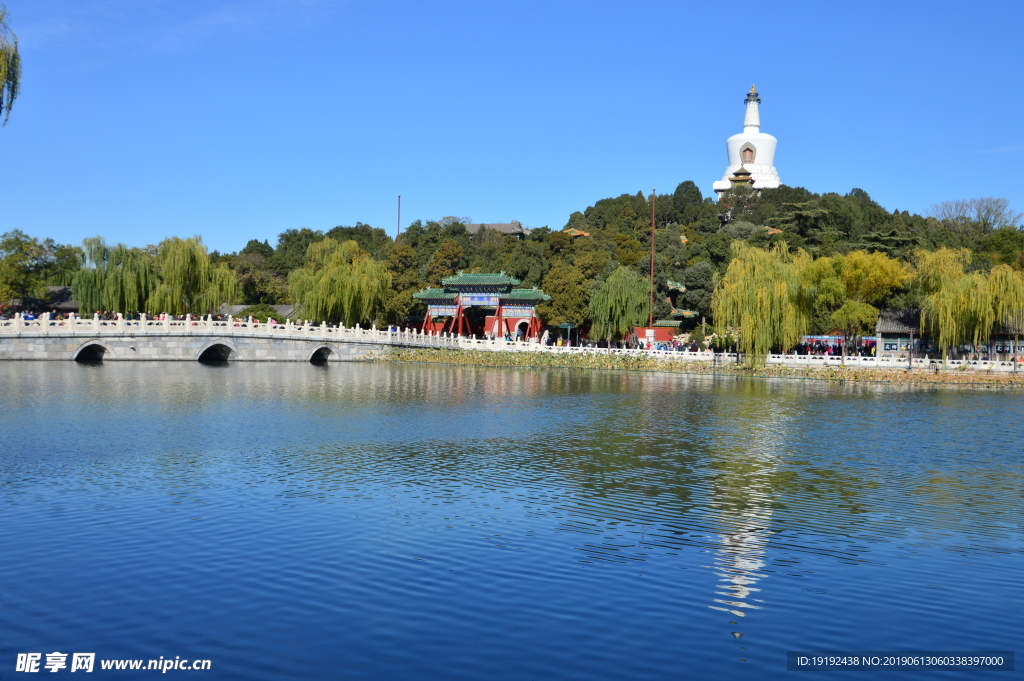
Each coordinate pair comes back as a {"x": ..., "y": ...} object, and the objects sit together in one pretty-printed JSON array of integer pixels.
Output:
[{"x": 201, "y": 340}]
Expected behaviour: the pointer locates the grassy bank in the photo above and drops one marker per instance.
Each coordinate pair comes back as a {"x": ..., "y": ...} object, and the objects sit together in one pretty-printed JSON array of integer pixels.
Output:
[{"x": 544, "y": 360}]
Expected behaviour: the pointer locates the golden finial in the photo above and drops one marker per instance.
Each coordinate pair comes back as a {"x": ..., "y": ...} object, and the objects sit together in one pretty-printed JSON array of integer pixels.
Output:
[{"x": 753, "y": 89}]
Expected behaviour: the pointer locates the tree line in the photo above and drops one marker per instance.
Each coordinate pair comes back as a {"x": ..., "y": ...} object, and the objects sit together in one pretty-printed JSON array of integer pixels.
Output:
[{"x": 595, "y": 268}]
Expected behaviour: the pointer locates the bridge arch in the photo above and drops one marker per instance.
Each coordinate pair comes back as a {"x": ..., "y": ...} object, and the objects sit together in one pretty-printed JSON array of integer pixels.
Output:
[
  {"x": 322, "y": 354},
  {"x": 217, "y": 350},
  {"x": 93, "y": 351}
]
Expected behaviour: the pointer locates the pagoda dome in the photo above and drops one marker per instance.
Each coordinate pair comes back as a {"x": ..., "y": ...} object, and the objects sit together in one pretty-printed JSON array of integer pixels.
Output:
[{"x": 752, "y": 149}]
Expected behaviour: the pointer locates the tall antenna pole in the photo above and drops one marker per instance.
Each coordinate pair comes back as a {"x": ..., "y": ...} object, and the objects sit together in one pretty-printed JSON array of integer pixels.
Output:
[
  {"x": 398, "y": 230},
  {"x": 650, "y": 319}
]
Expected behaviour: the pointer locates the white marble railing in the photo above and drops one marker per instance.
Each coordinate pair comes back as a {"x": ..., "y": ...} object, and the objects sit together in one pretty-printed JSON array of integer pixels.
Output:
[
  {"x": 731, "y": 358},
  {"x": 75, "y": 326},
  {"x": 895, "y": 362},
  {"x": 44, "y": 326}
]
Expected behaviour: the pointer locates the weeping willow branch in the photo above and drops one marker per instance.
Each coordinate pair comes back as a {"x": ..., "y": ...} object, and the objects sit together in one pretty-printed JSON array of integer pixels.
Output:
[
  {"x": 340, "y": 282},
  {"x": 761, "y": 297},
  {"x": 619, "y": 304},
  {"x": 118, "y": 279},
  {"x": 10, "y": 66},
  {"x": 189, "y": 283}
]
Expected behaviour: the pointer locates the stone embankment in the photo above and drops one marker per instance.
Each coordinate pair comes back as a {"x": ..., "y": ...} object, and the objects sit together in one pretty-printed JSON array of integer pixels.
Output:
[{"x": 961, "y": 375}]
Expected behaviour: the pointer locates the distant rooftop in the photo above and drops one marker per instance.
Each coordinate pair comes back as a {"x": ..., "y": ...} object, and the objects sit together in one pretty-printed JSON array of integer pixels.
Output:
[
  {"x": 514, "y": 227},
  {"x": 482, "y": 279},
  {"x": 899, "y": 321}
]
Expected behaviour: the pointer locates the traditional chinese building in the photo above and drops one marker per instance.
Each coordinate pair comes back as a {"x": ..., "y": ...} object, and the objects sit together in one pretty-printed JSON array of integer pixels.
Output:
[
  {"x": 665, "y": 330},
  {"x": 484, "y": 305}
]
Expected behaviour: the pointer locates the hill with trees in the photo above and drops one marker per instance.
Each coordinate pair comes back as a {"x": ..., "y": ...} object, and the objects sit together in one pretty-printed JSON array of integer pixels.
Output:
[{"x": 597, "y": 258}]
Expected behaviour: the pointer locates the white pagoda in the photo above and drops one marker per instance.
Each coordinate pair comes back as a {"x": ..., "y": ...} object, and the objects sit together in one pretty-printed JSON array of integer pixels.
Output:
[{"x": 751, "y": 153}]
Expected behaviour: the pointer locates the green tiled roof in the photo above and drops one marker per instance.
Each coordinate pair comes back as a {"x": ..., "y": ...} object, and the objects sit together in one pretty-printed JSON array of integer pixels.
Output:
[
  {"x": 524, "y": 294},
  {"x": 499, "y": 279},
  {"x": 434, "y": 294},
  {"x": 672, "y": 323}
]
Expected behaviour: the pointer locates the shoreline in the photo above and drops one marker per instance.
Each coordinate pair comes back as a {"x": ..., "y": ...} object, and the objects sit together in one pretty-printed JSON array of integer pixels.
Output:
[{"x": 542, "y": 360}]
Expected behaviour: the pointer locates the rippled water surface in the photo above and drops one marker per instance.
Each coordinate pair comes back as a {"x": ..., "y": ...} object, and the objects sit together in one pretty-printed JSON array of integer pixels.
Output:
[{"x": 431, "y": 522}]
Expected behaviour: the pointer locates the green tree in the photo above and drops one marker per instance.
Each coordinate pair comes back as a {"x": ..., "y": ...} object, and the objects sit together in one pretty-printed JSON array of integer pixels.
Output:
[
  {"x": 618, "y": 304},
  {"x": 446, "y": 261},
  {"x": 28, "y": 266},
  {"x": 10, "y": 66},
  {"x": 870, "y": 277},
  {"x": 687, "y": 202},
  {"x": 938, "y": 269},
  {"x": 23, "y": 262},
  {"x": 1006, "y": 291},
  {"x": 188, "y": 282},
  {"x": 405, "y": 281},
  {"x": 118, "y": 279},
  {"x": 258, "y": 281},
  {"x": 488, "y": 251},
  {"x": 569, "y": 295},
  {"x": 340, "y": 282},
  {"x": 699, "y": 280},
  {"x": 1005, "y": 245},
  {"x": 591, "y": 258},
  {"x": 292, "y": 246},
  {"x": 526, "y": 261},
  {"x": 854, "y": 318},
  {"x": 761, "y": 297},
  {"x": 261, "y": 248},
  {"x": 842, "y": 290},
  {"x": 373, "y": 240}
]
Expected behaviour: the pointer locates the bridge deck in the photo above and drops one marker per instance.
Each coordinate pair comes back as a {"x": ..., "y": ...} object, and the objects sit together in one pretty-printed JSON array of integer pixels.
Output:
[{"x": 100, "y": 328}]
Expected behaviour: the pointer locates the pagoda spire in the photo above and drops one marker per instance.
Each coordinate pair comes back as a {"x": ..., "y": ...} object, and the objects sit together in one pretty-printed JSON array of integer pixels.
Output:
[{"x": 752, "y": 119}]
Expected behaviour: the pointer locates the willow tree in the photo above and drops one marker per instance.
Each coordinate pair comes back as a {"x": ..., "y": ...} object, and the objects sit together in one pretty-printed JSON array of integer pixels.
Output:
[
  {"x": 119, "y": 279},
  {"x": 1006, "y": 287},
  {"x": 940, "y": 277},
  {"x": 961, "y": 311},
  {"x": 762, "y": 299},
  {"x": 618, "y": 304},
  {"x": 188, "y": 282},
  {"x": 10, "y": 66},
  {"x": 935, "y": 270},
  {"x": 340, "y": 282}
]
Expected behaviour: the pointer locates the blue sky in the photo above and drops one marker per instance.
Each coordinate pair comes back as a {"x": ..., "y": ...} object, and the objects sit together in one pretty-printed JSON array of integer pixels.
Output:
[{"x": 237, "y": 119}]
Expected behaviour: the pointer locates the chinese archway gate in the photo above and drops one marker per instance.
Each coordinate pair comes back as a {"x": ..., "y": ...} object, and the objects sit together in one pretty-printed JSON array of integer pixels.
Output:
[{"x": 483, "y": 305}]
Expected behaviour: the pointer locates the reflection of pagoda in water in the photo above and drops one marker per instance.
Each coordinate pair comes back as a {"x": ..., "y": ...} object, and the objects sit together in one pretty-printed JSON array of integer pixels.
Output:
[
  {"x": 742, "y": 496},
  {"x": 738, "y": 563}
]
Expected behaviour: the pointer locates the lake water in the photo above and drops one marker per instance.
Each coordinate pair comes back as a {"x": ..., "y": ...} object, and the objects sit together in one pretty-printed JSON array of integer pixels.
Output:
[{"x": 373, "y": 521}]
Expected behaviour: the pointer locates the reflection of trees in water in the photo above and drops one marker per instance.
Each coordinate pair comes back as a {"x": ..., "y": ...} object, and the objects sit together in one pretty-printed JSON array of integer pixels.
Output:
[{"x": 638, "y": 457}]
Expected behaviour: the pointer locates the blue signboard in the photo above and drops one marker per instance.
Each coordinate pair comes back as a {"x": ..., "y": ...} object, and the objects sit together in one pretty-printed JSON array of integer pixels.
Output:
[{"x": 468, "y": 299}]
